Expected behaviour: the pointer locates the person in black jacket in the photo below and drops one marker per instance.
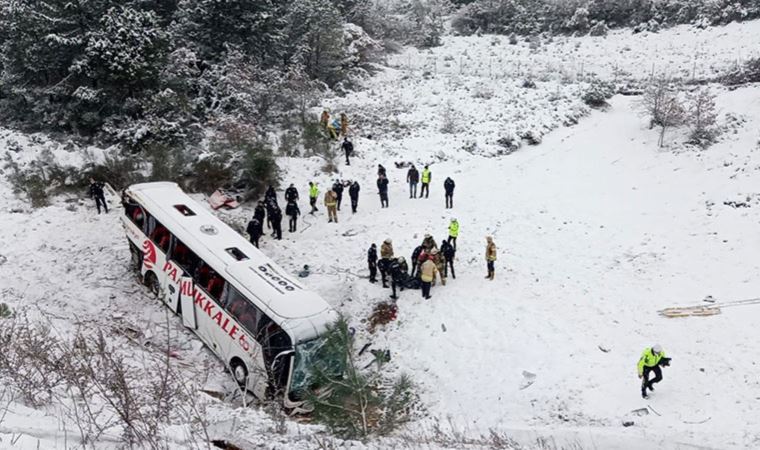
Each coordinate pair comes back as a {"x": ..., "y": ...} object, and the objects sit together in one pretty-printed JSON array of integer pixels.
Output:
[
  {"x": 270, "y": 195},
  {"x": 398, "y": 274},
  {"x": 380, "y": 170},
  {"x": 353, "y": 192},
  {"x": 448, "y": 186},
  {"x": 338, "y": 189},
  {"x": 348, "y": 148},
  {"x": 382, "y": 189},
  {"x": 372, "y": 263},
  {"x": 291, "y": 193},
  {"x": 292, "y": 211},
  {"x": 276, "y": 217},
  {"x": 271, "y": 205},
  {"x": 415, "y": 257},
  {"x": 449, "y": 252},
  {"x": 260, "y": 212},
  {"x": 413, "y": 178},
  {"x": 96, "y": 193},
  {"x": 255, "y": 230}
]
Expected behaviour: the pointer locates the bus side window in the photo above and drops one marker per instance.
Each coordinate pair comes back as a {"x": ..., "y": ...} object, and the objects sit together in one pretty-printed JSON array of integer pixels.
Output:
[
  {"x": 215, "y": 286},
  {"x": 135, "y": 213},
  {"x": 242, "y": 310}
]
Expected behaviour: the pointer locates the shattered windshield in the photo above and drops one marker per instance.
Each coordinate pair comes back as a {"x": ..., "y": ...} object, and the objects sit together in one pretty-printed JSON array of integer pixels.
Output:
[{"x": 313, "y": 361}]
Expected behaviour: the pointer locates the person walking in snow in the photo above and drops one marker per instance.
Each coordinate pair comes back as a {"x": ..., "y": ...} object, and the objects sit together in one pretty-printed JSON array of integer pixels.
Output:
[
  {"x": 353, "y": 192},
  {"x": 427, "y": 276},
  {"x": 427, "y": 176},
  {"x": 413, "y": 178},
  {"x": 291, "y": 193},
  {"x": 448, "y": 252},
  {"x": 348, "y": 149},
  {"x": 331, "y": 202},
  {"x": 386, "y": 254},
  {"x": 276, "y": 218},
  {"x": 270, "y": 205},
  {"x": 372, "y": 263},
  {"x": 651, "y": 360},
  {"x": 270, "y": 195},
  {"x": 97, "y": 194},
  {"x": 382, "y": 189},
  {"x": 415, "y": 259},
  {"x": 313, "y": 194},
  {"x": 255, "y": 230},
  {"x": 453, "y": 232},
  {"x": 490, "y": 256},
  {"x": 338, "y": 189},
  {"x": 260, "y": 212},
  {"x": 292, "y": 211},
  {"x": 448, "y": 187}
]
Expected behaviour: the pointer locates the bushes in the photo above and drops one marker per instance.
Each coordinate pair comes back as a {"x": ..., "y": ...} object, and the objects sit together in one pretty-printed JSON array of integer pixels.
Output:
[{"x": 597, "y": 94}]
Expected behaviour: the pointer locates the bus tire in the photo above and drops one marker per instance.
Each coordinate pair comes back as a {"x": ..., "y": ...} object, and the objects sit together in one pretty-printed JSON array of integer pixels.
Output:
[
  {"x": 137, "y": 258},
  {"x": 239, "y": 372},
  {"x": 151, "y": 281}
]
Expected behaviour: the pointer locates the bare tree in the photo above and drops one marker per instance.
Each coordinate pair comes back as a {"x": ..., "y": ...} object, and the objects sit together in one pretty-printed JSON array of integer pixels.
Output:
[
  {"x": 660, "y": 103},
  {"x": 702, "y": 117}
]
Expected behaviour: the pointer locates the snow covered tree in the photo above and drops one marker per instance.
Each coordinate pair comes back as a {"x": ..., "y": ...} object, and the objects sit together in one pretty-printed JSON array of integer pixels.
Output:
[
  {"x": 702, "y": 117},
  {"x": 660, "y": 103},
  {"x": 428, "y": 17}
]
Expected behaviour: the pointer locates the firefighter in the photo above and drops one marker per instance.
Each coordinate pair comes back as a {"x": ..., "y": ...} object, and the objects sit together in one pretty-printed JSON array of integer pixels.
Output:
[
  {"x": 386, "y": 254},
  {"x": 490, "y": 256},
  {"x": 651, "y": 360},
  {"x": 372, "y": 263},
  {"x": 331, "y": 202},
  {"x": 313, "y": 194}
]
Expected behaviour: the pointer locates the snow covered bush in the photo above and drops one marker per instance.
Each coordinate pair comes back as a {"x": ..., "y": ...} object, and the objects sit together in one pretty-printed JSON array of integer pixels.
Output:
[
  {"x": 597, "y": 94},
  {"x": 661, "y": 104},
  {"x": 599, "y": 29},
  {"x": 702, "y": 118},
  {"x": 749, "y": 72}
]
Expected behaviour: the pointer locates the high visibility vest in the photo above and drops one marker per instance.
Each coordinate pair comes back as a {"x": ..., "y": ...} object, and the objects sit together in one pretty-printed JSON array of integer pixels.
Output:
[
  {"x": 426, "y": 175},
  {"x": 454, "y": 229},
  {"x": 649, "y": 359},
  {"x": 313, "y": 191}
]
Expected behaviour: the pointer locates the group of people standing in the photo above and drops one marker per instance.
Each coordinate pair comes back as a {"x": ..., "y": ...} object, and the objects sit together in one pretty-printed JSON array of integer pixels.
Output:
[{"x": 414, "y": 178}]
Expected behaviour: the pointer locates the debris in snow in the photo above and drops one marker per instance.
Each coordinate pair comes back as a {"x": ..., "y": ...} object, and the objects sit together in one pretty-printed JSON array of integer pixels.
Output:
[
  {"x": 383, "y": 313},
  {"x": 528, "y": 379},
  {"x": 640, "y": 412},
  {"x": 443, "y": 327},
  {"x": 698, "y": 422},
  {"x": 364, "y": 348},
  {"x": 709, "y": 299},
  {"x": 3, "y": 260},
  {"x": 604, "y": 349},
  {"x": 628, "y": 423},
  {"x": 305, "y": 272},
  {"x": 653, "y": 410}
]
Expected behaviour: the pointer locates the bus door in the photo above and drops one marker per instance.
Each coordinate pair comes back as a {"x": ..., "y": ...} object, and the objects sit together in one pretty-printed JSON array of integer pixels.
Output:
[
  {"x": 187, "y": 303},
  {"x": 171, "y": 285}
]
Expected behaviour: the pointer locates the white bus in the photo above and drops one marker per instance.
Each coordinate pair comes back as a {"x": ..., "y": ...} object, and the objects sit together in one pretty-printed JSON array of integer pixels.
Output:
[{"x": 254, "y": 316}]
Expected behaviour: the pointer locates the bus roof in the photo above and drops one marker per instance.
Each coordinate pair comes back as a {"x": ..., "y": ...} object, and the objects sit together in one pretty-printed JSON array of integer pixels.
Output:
[{"x": 271, "y": 288}]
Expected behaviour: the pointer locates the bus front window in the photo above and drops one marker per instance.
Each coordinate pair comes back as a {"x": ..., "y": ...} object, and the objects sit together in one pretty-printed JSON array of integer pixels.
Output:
[{"x": 314, "y": 360}]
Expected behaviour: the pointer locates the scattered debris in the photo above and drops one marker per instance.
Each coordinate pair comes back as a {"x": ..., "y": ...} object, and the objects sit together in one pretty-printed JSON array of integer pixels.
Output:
[
  {"x": 640, "y": 412},
  {"x": 528, "y": 379},
  {"x": 305, "y": 272},
  {"x": 221, "y": 197},
  {"x": 604, "y": 349},
  {"x": 364, "y": 348},
  {"x": 628, "y": 423},
  {"x": 383, "y": 313},
  {"x": 443, "y": 327},
  {"x": 709, "y": 299},
  {"x": 698, "y": 422},
  {"x": 654, "y": 410}
]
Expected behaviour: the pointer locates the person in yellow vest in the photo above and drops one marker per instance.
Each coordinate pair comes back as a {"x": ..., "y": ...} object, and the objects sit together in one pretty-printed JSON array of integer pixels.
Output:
[
  {"x": 490, "y": 256},
  {"x": 313, "y": 194},
  {"x": 426, "y": 177},
  {"x": 453, "y": 233},
  {"x": 427, "y": 276},
  {"x": 331, "y": 202},
  {"x": 651, "y": 360}
]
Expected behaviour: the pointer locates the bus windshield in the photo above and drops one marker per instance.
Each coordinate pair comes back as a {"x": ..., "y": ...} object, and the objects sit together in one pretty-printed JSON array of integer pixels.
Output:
[{"x": 314, "y": 360}]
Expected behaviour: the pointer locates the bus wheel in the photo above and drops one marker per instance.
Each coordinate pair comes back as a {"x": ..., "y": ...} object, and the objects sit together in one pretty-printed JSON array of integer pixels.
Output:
[
  {"x": 152, "y": 282},
  {"x": 239, "y": 372},
  {"x": 136, "y": 258}
]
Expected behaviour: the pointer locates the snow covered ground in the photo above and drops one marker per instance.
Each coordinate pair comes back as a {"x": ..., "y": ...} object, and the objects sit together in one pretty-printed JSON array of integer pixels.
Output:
[{"x": 597, "y": 230}]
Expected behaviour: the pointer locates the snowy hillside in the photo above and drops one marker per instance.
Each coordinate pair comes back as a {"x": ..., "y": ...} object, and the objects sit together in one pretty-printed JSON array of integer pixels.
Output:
[{"x": 597, "y": 230}]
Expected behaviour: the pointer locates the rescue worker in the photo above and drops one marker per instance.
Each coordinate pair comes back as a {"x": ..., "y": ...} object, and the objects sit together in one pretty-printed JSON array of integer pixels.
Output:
[
  {"x": 448, "y": 187},
  {"x": 382, "y": 189},
  {"x": 372, "y": 263},
  {"x": 338, "y": 189},
  {"x": 324, "y": 119},
  {"x": 439, "y": 265},
  {"x": 427, "y": 276},
  {"x": 313, "y": 194},
  {"x": 331, "y": 202},
  {"x": 386, "y": 254},
  {"x": 97, "y": 194},
  {"x": 398, "y": 275},
  {"x": 255, "y": 230},
  {"x": 426, "y": 177},
  {"x": 276, "y": 218},
  {"x": 449, "y": 252},
  {"x": 413, "y": 178},
  {"x": 453, "y": 232},
  {"x": 353, "y": 192},
  {"x": 270, "y": 195},
  {"x": 343, "y": 124},
  {"x": 490, "y": 256},
  {"x": 292, "y": 211},
  {"x": 348, "y": 149},
  {"x": 260, "y": 212},
  {"x": 650, "y": 361},
  {"x": 271, "y": 205},
  {"x": 291, "y": 193},
  {"x": 415, "y": 256},
  {"x": 429, "y": 243}
]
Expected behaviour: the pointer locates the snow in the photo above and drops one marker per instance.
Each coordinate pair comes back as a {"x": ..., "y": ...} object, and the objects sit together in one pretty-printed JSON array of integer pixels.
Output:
[{"x": 597, "y": 229}]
